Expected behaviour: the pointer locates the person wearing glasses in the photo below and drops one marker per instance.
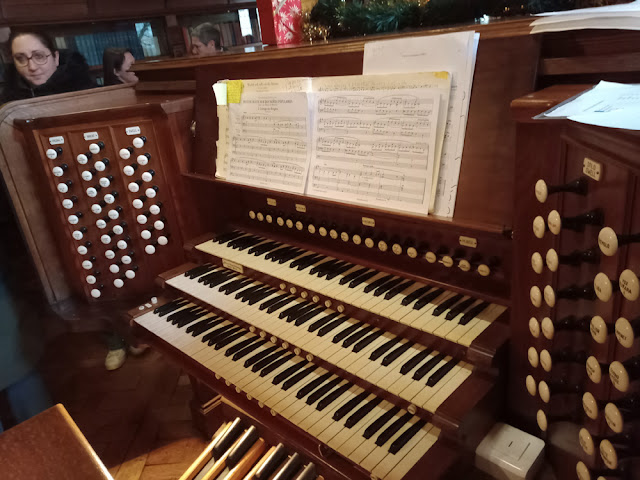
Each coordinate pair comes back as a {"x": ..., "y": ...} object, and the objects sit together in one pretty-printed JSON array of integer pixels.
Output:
[{"x": 39, "y": 68}]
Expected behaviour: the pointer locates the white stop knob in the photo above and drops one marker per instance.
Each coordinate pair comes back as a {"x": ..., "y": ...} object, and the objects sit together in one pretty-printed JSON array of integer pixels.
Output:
[
  {"x": 109, "y": 198},
  {"x": 141, "y": 219},
  {"x": 77, "y": 235},
  {"x": 536, "y": 262},
  {"x": 133, "y": 187},
  {"x": 549, "y": 296},
  {"x": 82, "y": 159},
  {"x": 142, "y": 160},
  {"x": 539, "y": 226},
  {"x": 104, "y": 182},
  {"x": 100, "y": 223},
  {"x": 86, "y": 176},
  {"x": 130, "y": 274},
  {"x": 57, "y": 171},
  {"x": 73, "y": 219},
  {"x": 154, "y": 209},
  {"x": 158, "y": 225},
  {"x": 629, "y": 285},
  {"x": 536, "y": 296},
  {"x": 150, "y": 192},
  {"x": 542, "y": 192},
  {"x": 118, "y": 230},
  {"x": 110, "y": 254},
  {"x": 95, "y": 208},
  {"x": 94, "y": 148},
  {"x": 154, "y": 300},
  {"x": 128, "y": 170},
  {"x": 125, "y": 154},
  {"x": 87, "y": 265},
  {"x": 552, "y": 259},
  {"x": 118, "y": 283},
  {"x": 114, "y": 268},
  {"x": 598, "y": 328},
  {"x": 138, "y": 142},
  {"x": 603, "y": 287},
  {"x": 91, "y": 279},
  {"x": 554, "y": 220},
  {"x": 106, "y": 239},
  {"x": 624, "y": 332},
  {"x": 608, "y": 241},
  {"x": 66, "y": 203},
  {"x": 163, "y": 240},
  {"x": 92, "y": 192},
  {"x": 145, "y": 234},
  {"x": 113, "y": 214},
  {"x": 82, "y": 250},
  {"x": 100, "y": 166},
  {"x": 147, "y": 177},
  {"x": 51, "y": 154},
  {"x": 122, "y": 244},
  {"x": 63, "y": 188},
  {"x": 126, "y": 259},
  {"x": 548, "y": 329},
  {"x": 137, "y": 203},
  {"x": 150, "y": 249},
  {"x": 95, "y": 293}
]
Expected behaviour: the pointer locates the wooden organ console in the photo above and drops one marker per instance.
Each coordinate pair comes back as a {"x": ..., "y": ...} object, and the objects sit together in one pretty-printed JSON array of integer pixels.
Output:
[{"x": 383, "y": 345}]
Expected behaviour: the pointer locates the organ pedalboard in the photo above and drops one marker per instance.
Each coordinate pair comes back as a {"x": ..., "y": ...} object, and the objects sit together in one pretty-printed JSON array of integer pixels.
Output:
[
  {"x": 575, "y": 355},
  {"x": 108, "y": 200}
]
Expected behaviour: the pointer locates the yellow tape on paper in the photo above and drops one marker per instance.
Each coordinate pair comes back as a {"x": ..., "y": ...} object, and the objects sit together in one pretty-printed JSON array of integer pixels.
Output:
[{"x": 234, "y": 91}]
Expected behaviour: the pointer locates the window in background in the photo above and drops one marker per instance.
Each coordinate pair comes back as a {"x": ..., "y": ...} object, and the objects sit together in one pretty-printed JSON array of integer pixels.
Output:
[{"x": 237, "y": 29}]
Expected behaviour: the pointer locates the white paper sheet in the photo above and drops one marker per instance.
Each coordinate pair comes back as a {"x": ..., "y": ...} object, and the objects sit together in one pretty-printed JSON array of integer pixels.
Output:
[
  {"x": 454, "y": 53},
  {"x": 222, "y": 145},
  {"x": 269, "y": 141},
  {"x": 375, "y": 148},
  {"x": 624, "y": 16}
]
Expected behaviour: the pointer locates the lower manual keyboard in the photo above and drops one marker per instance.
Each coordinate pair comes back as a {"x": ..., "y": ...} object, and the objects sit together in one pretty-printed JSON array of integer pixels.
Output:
[
  {"x": 420, "y": 375},
  {"x": 370, "y": 431}
]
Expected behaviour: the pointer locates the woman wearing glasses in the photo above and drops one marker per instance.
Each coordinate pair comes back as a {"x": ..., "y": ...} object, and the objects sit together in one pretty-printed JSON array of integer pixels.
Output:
[{"x": 39, "y": 68}]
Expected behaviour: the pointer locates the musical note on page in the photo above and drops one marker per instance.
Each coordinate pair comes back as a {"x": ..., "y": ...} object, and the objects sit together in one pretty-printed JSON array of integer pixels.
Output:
[
  {"x": 375, "y": 148},
  {"x": 269, "y": 141}
]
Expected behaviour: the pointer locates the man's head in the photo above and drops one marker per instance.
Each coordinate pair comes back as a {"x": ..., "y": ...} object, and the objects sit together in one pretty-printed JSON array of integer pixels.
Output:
[{"x": 205, "y": 40}]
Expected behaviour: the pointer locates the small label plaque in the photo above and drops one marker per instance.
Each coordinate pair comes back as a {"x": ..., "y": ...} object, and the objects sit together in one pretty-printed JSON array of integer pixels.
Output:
[
  {"x": 468, "y": 241},
  {"x": 301, "y": 208},
  {"x": 272, "y": 202},
  {"x": 368, "y": 222},
  {"x": 591, "y": 168},
  {"x": 59, "y": 140},
  {"x": 90, "y": 135},
  {"x": 132, "y": 130},
  {"x": 236, "y": 267}
]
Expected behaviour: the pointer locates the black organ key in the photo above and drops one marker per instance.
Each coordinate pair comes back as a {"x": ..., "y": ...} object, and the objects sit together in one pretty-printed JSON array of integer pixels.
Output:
[
  {"x": 302, "y": 260},
  {"x": 441, "y": 372},
  {"x": 239, "y": 449},
  {"x": 290, "y": 468},
  {"x": 211, "y": 283},
  {"x": 446, "y": 305},
  {"x": 392, "y": 429},
  {"x": 331, "y": 326},
  {"x": 366, "y": 341},
  {"x": 393, "y": 356},
  {"x": 384, "y": 348},
  {"x": 319, "y": 268},
  {"x": 308, "y": 307},
  {"x": 333, "y": 396},
  {"x": 239, "y": 346},
  {"x": 273, "y": 462},
  {"x": 307, "y": 473},
  {"x": 353, "y": 275},
  {"x": 414, "y": 295},
  {"x": 251, "y": 244},
  {"x": 291, "y": 256},
  {"x": 226, "y": 237},
  {"x": 196, "y": 316},
  {"x": 229, "y": 437},
  {"x": 427, "y": 367},
  {"x": 266, "y": 361},
  {"x": 356, "y": 336},
  {"x": 380, "y": 422},
  {"x": 362, "y": 412},
  {"x": 235, "y": 285},
  {"x": 408, "y": 434},
  {"x": 215, "y": 335},
  {"x": 386, "y": 287},
  {"x": 323, "y": 321},
  {"x": 398, "y": 289},
  {"x": 362, "y": 278},
  {"x": 346, "y": 332},
  {"x": 247, "y": 350},
  {"x": 338, "y": 271},
  {"x": 473, "y": 313},
  {"x": 290, "y": 382},
  {"x": 378, "y": 283},
  {"x": 204, "y": 325},
  {"x": 197, "y": 271},
  {"x": 259, "y": 356},
  {"x": 278, "y": 363},
  {"x": 273, "y": 301},
  {"x": 312, "y": 385},
  {"x": 423, "y": 301},
  {"x": 276, "y": 254},
  {"x": 414, "y": 361},
  {"x": 291, "y": 310},
  {"x": 247, "y": 292},
  {"x": 182, "y": 313},
  {"x": 459, "y": 308},
  {"x": 211, "y": 275},
  {"x": 170, "y": 307},
  {"x": 282, "y": 376},
  {"x": 280, "y": 304},
  {"x": 230, "y": 338},
  {"x": 310, "y": 262},
  {"x": 323, "y": 390},
  {"x": 308, "y": 316},
  {"x": 350, "y": 405},
  {"x": 261, "y": 296}
]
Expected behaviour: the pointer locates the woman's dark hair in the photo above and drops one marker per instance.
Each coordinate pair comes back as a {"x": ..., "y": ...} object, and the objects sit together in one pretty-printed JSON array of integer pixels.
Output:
[
  {"x": 112, "y": 59},
  {"x": 44, "y": 38}
]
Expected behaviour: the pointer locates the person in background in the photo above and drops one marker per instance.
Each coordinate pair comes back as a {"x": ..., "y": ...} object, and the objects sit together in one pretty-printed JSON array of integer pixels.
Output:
[
  {"x": 116, "y": 63},
  {"x": 39, "y": 68},
  {"x": 205, "y": 40}
]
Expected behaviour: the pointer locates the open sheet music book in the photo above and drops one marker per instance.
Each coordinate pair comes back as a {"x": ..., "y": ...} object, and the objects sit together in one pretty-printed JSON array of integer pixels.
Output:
[{"x": 373, "y": 140}]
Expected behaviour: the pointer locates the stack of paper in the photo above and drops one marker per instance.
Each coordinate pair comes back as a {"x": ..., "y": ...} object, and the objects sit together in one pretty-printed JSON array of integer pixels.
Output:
[
  {"x": 624, "y": 17},
  {"x": 387, "y": 140},
  {"x": 608, "y": 104}
]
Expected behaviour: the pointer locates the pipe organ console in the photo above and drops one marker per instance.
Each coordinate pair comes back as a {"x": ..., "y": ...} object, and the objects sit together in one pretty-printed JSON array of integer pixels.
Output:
[{"x": 385, "y": 345}]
